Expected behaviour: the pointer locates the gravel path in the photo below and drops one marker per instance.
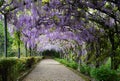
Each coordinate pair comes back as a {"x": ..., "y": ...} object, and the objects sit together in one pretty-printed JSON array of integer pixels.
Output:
[{"x": 51, "y": 70}]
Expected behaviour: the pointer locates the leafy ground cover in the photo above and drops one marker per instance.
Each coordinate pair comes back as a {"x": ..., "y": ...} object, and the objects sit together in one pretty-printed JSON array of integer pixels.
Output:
[{"x": 102, "y": 73}]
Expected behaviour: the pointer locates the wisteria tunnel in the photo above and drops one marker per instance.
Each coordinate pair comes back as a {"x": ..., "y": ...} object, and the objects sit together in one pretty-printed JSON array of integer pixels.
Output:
[{"x": 83, "y": 35}]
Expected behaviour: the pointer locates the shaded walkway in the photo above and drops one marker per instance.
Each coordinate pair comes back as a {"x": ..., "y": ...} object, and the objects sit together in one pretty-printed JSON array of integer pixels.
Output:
[{"x": 51, "y": 70}]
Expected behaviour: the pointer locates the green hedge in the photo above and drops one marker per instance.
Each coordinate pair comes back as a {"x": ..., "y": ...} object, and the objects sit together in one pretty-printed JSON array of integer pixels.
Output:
[
  {"x": 7, "y": 69},
  {"x": 12, "y": 68}
]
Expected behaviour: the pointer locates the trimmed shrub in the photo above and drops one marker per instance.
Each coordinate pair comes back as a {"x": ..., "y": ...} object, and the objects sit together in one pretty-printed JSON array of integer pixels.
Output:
[
  {"x": 7, "y": 71},
  {"x": 12, "y": 68}
]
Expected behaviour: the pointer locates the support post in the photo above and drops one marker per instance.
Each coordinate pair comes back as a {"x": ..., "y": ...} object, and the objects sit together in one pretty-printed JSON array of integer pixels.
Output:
[
  {"x": 26, "y": 49},
  {"x": 18, "y": 44},
  {"x": 5, "y": 35},
  {"x": 30, "y": 51}
]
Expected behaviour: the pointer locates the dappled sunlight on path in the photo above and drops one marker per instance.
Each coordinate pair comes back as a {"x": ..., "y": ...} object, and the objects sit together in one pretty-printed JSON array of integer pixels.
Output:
[{"x": 51, "y": 70}]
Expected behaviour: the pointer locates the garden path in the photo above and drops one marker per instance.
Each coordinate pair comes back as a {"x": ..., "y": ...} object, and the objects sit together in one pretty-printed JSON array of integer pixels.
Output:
[{"x": 51, "y": 70}]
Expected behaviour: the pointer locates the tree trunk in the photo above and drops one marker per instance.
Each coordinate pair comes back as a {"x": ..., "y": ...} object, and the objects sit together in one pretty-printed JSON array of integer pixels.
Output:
[
  {"x": 113, "y": 54},
  {"x": 97, "y": 52},
  {"x": 5, "y": 35},
  {"x": 26, "y": 49},
  {"x": 18, "y": 44},
  {"x": 30, "y": 51}
]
